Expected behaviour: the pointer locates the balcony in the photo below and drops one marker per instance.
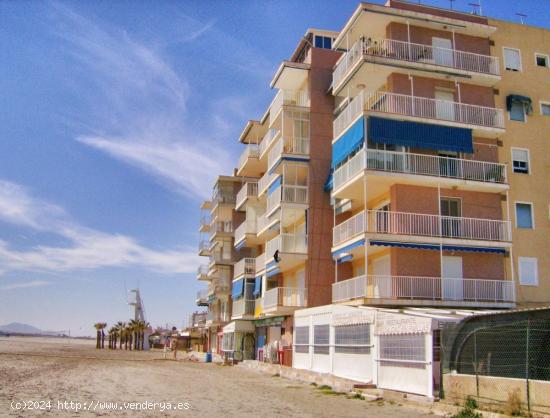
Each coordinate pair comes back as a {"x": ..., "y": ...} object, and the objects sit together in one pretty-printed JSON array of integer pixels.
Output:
[
  {"x": 249, "y": 163},
  {"x": 288, "y": 194},
  {"x": 245, "y": 232},
  {"x": 205, "y": 221},
  {"x": 260, "y": 263},
  {"x": 245, "y": 267},
  {"x": 242, "y": 308},
  {"x": 421, "y": 225},
  {"x": 287, "y": 98},
  {"x": 202, "y": 272},
  {"x": 294, "y": 148},
  {"x": 292, "y": 250},
  {"x": 248, "y": 191},
  {"x": 415, "y": 56},
  {"x": 427, "y": 291},
  {"x": 204, "y": 248},
  {"x": 481, "y": 119},
  {"x": 202, "y": 298},
  {"x": 221, "y": 227},
  {"x": 219, "y": 257},
  {"x": 267, "y": 141},
  {"x": 222, "y": 196},
  {"x": 265, "y": 181},
  {"x": 284, "y": 300},
  {"x": 216, "y": 318},
  {"x": 473, "y": 174}
]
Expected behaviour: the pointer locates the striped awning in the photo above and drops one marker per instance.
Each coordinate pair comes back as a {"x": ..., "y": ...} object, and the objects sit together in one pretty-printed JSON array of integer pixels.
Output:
[{"x": 436, "y": 247}]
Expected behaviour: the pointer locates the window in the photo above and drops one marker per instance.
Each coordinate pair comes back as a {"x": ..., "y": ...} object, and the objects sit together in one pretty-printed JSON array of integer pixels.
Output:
[
  {"x": 541, "y": 60},
  {"x": 324, "y": 42},
  {"x": 520, "y": 160},
  {"x": 301, "y": 340},
  {"x": 517, "y": 112},
  {"x": 545, "y": 109},
  {"x": 321, "y": 339},
  {"x": 524, "y": 215},
  {"x": 411, "y": 347},
  {"x": 512, "y": 59},
  {"x": 352, "y": 339},
  {"x": 528, "y": 271}
]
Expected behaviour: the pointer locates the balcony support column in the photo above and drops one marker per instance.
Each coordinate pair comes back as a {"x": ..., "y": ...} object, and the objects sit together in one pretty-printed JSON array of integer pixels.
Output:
[
  {"x": 440, "y": 232},
  {"x": 409, "y": 37},
  {"x": 366, "y": 266}
]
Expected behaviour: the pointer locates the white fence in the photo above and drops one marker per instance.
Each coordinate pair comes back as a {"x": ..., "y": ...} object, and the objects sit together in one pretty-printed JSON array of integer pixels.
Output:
[
  {"x": 290, "y": 146},
  {"x": 424, "y": 288},
  {"x": 285, "y": 296},
  {"x": 287, "y": 98},
  {"x": 243, "y": 307},
  {"x": 371, "y": 49},
  {"x": 420, "y": 164},
  {"x": 287, "y": 194},
  {"x": 267, "y": 140},
  {"x": 249, "y": 189},
  {"x": 405, "y": 223},
  {"x": 247, "y": 227},
  {"x": 246, "y": 266},
  {"x": 250, "y": 151},
  {"x": 287, "y": 243},
  {"x": 265, "y": 181}
]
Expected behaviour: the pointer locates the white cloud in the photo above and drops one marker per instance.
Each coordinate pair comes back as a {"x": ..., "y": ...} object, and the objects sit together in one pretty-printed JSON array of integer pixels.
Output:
[
  {"x": 86, "y": 249},
  {"x": 138, "y": 108},
  {"x": 32, "y": 283}
]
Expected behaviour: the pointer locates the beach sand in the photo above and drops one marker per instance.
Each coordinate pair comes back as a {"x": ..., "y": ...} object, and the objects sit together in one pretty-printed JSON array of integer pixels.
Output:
[{"x": 42, "y": 369}]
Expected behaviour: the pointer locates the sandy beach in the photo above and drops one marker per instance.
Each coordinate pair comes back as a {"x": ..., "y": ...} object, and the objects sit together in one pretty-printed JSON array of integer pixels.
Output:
[{"x": 56, "y": 370}]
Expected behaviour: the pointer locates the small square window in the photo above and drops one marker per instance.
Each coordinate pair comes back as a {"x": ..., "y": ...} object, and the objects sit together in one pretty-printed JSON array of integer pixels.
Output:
[
  {"x": 541, "y": 60},
  {"x": 528, "y": 271},
  {"x": 520, "y": 160},
  {"x": 524, "y": 215},
  {"x": 318, "y": 41},
  {"x": 512, "y": 59},
  {"x": 545, "y": 109},
  {"x": 517, "y": 112}
]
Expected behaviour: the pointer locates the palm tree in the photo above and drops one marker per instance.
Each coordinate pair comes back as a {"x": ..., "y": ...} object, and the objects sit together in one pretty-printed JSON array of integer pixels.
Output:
[
  {"x": 103, "y": 326},
  {"x": 111, "y": 336},
  {"x": 144, "y": 327},
  {"x": 121, "y": 326},
  {"x": 98, "y": 327},
  {"x": 128, "y": 330}
]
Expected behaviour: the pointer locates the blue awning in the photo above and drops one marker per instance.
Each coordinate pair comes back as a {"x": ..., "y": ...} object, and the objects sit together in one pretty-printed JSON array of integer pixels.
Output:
[
  {"x": 419, "y": 246},
  {"x": 349, "y": 142},
  {"x": 436, "y": 247},
  {"x": 347, "y": 248},
  {"x": 344, "y": 259},
  {"x": 328, "y": 183},
  {"x": 419, "y": 135},
  {"x": 275, "y": 185},
  {"x": 237, "y": 289},
  {"x": 273, "y": 272},
  {"x": 257, "y": 286}
]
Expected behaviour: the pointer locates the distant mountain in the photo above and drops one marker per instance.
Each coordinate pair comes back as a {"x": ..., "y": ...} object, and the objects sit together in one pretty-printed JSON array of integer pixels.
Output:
[{"x": 19, "y": 328}]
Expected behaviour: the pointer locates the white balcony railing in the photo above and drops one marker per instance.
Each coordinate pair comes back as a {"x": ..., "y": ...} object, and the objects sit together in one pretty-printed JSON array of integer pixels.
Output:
[
  {"x": 287, "y": 98},
  {"x": 223, "y": 226},
  {"x": 287, "y": 194},
  {"x": 250, "y": 151},
  {"x": 247, "y": 227},
  {"x": 419, "y": 164},
  {"x": 202, "y": 297},
  {"x": 285, "y": 296},
  {"x": 389, "y": 49},
  {"x": 267, "y": 140},
  {"x": 420, "y": 107},
  {"x": 243, "y": 307},
  {"x": 202, "y": 270},
  {"x": 424, "y": 288},
  {"x": 249, "y": 189},
  {"x": 288, "y": 146},
  {"x": 204, "y": 246},
  {"x": 260, "y": 262},
  {"x": 287, "y": 243},
  {"x": 265, "y": 181},
  {"x": 245, "y": 266},
  {"x": 404, "y": 223}
]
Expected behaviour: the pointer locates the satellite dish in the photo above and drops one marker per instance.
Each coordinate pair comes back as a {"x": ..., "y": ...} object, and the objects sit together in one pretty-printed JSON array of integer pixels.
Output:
[{"x": 276, "y": 256}]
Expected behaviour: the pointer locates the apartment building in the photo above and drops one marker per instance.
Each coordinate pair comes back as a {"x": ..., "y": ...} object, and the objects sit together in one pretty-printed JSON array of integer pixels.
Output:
[
  {"x": 419, "y": 185},
  {"x": 524, "y": 93},
  {"x": 218, "y": 217}
]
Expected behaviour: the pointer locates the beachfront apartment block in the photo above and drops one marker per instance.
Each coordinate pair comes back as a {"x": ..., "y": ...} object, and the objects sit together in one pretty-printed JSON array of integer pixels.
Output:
[
  {"x": 401, "y": 164},
  {"x": 420, "y": 190}
]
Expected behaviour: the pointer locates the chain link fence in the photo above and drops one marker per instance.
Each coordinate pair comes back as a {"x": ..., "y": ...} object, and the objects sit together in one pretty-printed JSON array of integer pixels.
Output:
[{"x": 501, "y": 360}]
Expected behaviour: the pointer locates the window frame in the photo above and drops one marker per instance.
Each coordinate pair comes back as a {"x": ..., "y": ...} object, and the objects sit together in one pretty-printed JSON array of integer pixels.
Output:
[
  {"x": 546, "y": 56},
  {"x": 528, "y": 160},
  {"x": 532, "y": 213},
  {"x": 543, "y": 103},
  {"x": 528, "y": 259},
  {"x": 504, "y": 48},
  {"x": 524, "y": 120},
  {"x": 322, "y": 348},
  {"x": 301, "y": 347}
]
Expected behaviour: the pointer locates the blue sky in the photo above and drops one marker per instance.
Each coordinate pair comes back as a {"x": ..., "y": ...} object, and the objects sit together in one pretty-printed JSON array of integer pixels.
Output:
[{"x": 116, "y": 117}]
